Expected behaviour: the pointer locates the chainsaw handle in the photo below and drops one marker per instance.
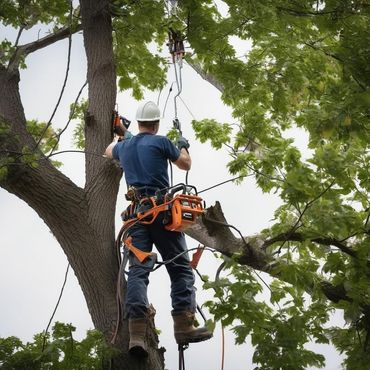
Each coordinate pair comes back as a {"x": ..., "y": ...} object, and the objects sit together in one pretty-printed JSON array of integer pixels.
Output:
[
  {"x": 182, "y": 187},
  {"x": 177, "y": 188}
]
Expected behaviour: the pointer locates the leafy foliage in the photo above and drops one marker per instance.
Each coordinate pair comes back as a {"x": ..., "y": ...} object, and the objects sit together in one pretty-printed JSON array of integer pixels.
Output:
[
  {"x": 219, "y": 132},
  {"x": 47, "y": 138},
  {"x": 281, "y": 328},
  {"x": 56, "y": 351},
  {"x": 28, "y": 13},
  {"x": 140, "y": 25},
  {"x": 305, "y": 74},
  {"x": 25, "y": 14}
]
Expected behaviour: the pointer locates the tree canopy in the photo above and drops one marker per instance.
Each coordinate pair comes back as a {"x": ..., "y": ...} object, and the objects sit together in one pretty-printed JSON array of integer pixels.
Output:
[{"x": 306, "y": 69}]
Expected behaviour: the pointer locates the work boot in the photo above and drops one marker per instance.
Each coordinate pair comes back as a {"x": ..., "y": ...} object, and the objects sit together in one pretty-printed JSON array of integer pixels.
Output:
[
  {"x": 186, "y": 332},
  {"x": 137, "y": 329}
]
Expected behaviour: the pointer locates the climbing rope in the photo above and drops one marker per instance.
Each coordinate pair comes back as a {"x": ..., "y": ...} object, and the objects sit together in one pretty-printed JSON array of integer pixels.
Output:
[
  {"x": 45, "y": 336},
  {"x": 177, "y": 51},
  {"x": 49, "y": 123},
  {"x": 181, "y": 349}
]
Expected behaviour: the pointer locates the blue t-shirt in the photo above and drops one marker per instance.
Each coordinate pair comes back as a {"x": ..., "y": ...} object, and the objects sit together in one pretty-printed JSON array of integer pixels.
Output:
[{"x": 144, "y": 159}]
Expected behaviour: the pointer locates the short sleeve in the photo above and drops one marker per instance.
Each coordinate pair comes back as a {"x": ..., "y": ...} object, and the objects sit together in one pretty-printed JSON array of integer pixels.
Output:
[
  {"x": 128, "y": 135},
  {"x": 116, "y": 149},
  {"x": 172, "y": 153}
]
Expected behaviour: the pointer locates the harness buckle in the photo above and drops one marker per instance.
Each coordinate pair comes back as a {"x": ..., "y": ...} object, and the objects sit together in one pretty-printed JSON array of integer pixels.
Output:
[{"x": 131, "y": 194}]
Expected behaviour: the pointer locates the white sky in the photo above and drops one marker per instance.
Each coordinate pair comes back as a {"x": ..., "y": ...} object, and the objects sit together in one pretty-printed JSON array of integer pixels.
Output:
[{"x": 32, "y": 264}]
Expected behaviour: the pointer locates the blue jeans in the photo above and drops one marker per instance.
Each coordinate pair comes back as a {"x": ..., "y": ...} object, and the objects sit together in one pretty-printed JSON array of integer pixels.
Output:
[{"x": 169, "y": 244}]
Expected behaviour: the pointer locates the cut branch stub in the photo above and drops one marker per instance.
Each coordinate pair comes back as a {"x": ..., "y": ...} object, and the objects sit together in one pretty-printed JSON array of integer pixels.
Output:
[{"x": 216, "y": 224}]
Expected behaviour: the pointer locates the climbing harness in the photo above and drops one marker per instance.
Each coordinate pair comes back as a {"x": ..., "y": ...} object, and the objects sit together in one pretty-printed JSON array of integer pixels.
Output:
[{"x": 180, "y": 212}]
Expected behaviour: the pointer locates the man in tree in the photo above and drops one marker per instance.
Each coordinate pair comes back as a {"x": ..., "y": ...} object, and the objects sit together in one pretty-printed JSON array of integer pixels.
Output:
[{"x": 144, "y": 160}]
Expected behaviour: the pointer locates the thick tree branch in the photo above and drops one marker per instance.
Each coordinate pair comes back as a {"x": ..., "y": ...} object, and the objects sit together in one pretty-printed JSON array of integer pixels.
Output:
[
  {"x": 206, "y": 76},
  {"x": 251, "y": 251},
  {"x": 213, "y": 231},
  {"x": 298, "y": 237},
  {"x": 24, "y": 50}
]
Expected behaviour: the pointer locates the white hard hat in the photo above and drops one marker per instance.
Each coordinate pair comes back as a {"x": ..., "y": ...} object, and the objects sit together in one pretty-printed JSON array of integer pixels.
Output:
[{"x": 148, "y": 111}]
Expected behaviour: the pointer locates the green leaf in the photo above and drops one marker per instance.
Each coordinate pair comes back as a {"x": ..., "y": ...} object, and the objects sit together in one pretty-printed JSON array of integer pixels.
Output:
[{"x": 210, "y": 129}]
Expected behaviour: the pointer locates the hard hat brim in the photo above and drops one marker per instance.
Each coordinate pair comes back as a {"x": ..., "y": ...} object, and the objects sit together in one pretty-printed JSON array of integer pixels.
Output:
[{"x": 149, "y": 119}]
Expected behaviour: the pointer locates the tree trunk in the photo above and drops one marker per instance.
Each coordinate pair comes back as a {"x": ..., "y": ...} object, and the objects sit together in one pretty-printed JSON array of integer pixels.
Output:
[{"x": 82, "y": 220}]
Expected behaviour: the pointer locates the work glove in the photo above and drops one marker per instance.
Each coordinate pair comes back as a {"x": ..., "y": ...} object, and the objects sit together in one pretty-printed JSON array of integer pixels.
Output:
[{"x": 182, "y": 143}]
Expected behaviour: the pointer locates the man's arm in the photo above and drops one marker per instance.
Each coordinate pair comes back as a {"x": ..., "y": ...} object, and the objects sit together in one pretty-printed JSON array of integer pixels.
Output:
[
  {"x": 120, "y": 130},
  {"x": 184, "y": 160},
  {"x": 109, "y": 150}
]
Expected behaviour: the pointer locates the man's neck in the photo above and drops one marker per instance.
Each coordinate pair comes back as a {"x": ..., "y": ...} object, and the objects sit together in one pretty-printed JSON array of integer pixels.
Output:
[{"x": 147, "y": 130}]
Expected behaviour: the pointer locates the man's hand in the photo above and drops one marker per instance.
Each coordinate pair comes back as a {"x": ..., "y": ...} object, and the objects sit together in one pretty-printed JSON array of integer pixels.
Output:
[
  {"x": 120, "y": 129},
  {"x": 182, "y": 143}
]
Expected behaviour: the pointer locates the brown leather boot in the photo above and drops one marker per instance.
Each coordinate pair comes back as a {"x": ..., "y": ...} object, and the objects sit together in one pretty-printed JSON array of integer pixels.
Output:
[
  {"x": 186, "y": 332},
  {"x": 137, "y": 329}
]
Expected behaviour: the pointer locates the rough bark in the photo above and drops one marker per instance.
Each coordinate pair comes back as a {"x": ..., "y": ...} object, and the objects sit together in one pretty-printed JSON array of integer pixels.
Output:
[{"x": 102, "y": 177}]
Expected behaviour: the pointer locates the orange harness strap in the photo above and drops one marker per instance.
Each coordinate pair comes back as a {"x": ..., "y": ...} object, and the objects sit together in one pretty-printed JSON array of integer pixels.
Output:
[
  {"x": 183, "y": 211},
  {"x": 183, "y": 208},
  {"x": 196, "y": 257},
  {"x": 140, "y": 255}
]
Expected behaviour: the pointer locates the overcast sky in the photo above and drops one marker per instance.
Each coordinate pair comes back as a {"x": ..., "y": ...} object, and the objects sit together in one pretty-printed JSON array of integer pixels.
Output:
[{"x": 32, "y": 264}]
